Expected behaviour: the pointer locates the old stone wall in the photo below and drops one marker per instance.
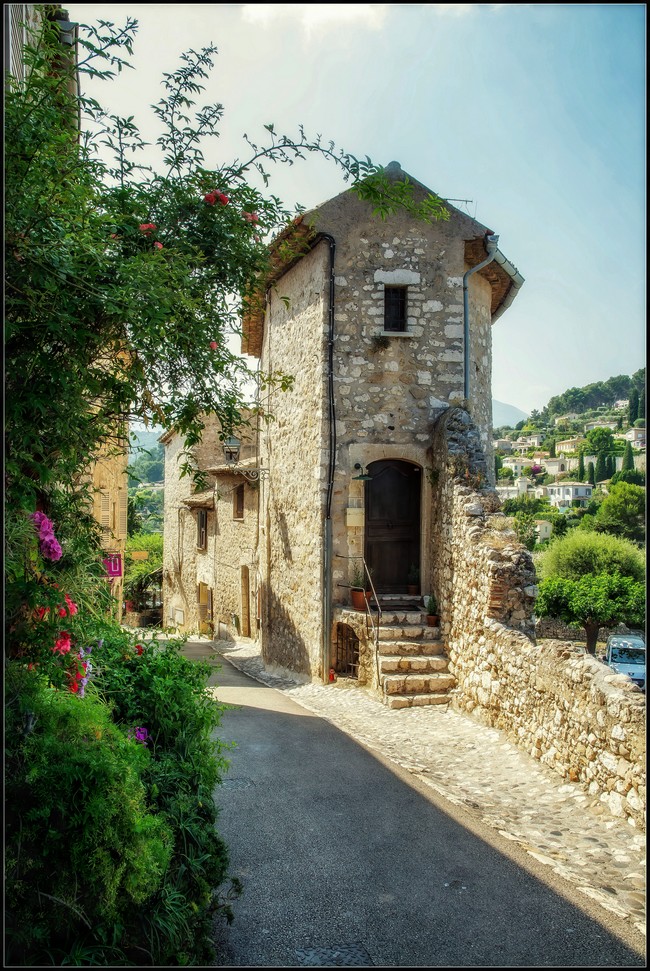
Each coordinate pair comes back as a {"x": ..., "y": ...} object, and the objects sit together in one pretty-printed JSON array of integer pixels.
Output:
[
  {"x": 227, "y": 567},
  {"x": 293, "y": 446},
  {"x": 390, "y": 387},
  {"x": 562, "y": 707}
]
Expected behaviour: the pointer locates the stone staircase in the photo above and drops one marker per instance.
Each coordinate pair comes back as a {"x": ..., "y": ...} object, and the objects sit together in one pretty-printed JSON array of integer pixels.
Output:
[{"x": 413, "y": 665}]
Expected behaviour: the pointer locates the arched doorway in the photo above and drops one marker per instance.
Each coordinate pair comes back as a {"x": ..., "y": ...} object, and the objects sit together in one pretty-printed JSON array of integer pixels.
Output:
[{"x": 392, "y": 536}]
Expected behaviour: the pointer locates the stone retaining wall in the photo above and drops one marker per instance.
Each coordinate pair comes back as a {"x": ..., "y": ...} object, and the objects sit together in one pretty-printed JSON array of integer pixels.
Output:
[{"x": 564, "y": 708}]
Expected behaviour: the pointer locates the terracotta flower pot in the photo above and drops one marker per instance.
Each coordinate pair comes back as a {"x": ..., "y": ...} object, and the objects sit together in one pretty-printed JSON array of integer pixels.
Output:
[
  {"x": 433, "y": 620},
  {"x": 358, "y": 599}
]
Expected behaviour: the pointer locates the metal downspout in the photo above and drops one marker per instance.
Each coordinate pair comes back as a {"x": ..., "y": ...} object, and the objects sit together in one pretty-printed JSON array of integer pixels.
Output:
[
  {"x": 327, "y": 556},
  {"x": 491, "y": 243}
]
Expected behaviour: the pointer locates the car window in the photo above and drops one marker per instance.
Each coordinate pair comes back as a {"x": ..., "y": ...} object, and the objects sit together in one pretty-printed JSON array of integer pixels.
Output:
[{"x": 631, "y": 655}]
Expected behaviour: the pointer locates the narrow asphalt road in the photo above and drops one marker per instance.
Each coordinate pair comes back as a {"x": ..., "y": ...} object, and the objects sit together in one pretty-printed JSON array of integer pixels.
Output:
[{"x": 348, "y": 860}]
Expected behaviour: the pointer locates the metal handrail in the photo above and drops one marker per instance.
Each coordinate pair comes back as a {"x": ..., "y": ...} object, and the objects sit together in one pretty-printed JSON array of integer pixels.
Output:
[{"x": 375, "y": 630}]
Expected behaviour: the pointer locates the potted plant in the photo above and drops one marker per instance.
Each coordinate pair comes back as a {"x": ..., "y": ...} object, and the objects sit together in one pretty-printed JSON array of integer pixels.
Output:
[
  {"x": 413, "y": 579},
  {"x": 433, "y": 619},
  {"x": 358, "y": 586}
]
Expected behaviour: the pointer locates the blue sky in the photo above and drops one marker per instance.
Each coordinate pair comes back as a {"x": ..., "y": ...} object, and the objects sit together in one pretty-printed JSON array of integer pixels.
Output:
[{"x": 533, "y": 112}]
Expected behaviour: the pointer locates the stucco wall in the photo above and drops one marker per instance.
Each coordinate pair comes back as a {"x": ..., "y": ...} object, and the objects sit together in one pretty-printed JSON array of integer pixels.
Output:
[{"x": 565, "y": 709}]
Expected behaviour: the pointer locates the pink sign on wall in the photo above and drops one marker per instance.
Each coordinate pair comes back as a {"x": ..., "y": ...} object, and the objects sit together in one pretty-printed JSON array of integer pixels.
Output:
[{"x": 113, "y": 565}]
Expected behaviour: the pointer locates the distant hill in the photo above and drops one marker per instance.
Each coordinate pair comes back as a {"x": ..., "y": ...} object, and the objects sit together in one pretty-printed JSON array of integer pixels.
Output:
[
  {"x": 503, "y": 414},
  {"x": 145, "y": 438}
]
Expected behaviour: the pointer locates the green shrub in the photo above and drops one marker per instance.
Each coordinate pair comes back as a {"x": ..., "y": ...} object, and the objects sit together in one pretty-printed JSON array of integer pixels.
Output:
[{"x": 84, "y": 849}]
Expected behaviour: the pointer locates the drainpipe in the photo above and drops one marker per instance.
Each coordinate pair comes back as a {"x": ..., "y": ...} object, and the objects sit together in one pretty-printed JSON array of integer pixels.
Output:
[
  {"x": 491, "y": 243},
  {"x": 327, "y": 553}
]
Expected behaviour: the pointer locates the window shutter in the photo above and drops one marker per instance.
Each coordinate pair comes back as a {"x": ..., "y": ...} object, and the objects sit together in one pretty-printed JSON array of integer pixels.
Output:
[
  {"x": 123, "y": 500},
  {"x": 105, "y": 509}
]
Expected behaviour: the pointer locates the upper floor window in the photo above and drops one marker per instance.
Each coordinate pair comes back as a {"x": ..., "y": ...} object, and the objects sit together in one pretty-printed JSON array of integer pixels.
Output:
[
  {"x": 238, "y": 503},
  {"x": 202, "y": 529},
  {"x": 395, "y": 305}
]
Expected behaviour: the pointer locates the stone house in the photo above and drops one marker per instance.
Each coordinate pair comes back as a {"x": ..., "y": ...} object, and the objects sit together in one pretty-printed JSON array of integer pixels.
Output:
[{"x": 373, "y": 319}]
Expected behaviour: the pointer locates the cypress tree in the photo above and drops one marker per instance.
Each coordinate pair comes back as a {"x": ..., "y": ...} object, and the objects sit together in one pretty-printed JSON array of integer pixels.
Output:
[
  {"x": 610, "y": 466},
  {"x": 628, "y": 458},
  {"x": 581, "y": 467},
  {"x": 601, "y": 468},
  {"x": 591, "y": 475},
  {"x": 634, "y": 405},
  {"x": 641, "y": 409}
]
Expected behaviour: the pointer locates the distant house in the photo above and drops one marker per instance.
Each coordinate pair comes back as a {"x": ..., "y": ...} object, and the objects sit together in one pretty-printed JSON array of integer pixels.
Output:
[
  {"x": 565, "y": 495},
  {"x": 544, "y": 530},
  {"x": 516, "y": 463},
  {"x": 502, "y": 445},
  {"x": 622, "y": 405},
  {"x": 522, "y": 486},
  {"x": 636, "y": 436},
  {"x": 569, "y": 445},
  {"x": 611, "y": 425},
  {"x": 565, "y": 419}
]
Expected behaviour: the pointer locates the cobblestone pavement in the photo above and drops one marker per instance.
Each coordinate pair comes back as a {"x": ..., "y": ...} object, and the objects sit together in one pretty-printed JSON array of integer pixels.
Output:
[{"x": 475, "y": 767}]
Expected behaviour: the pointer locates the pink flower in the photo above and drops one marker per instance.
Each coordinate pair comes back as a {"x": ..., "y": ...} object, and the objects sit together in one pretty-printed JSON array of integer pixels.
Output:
[
  {"x": 158, "y": 245},
  {"x": 146, "y": 228},
  {"x": 63, "y": 643},
  {"x": 251, "y": 217},
  {"x": 210, "y": 198},
  {"x": 213, "y": 345},
  {"x": 72, "y": 607},
  {"x": 224, "y": 200}
]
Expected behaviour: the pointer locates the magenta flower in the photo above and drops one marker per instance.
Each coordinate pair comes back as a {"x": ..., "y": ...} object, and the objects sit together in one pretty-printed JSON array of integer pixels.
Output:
[
  {"x": 48, "y": 543},
  {"x": 158, "y": 246}
]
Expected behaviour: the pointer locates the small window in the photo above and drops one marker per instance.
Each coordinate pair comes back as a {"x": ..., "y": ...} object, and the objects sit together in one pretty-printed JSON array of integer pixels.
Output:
[
  {"x": 238, "y": 503},
  {"x": 395, "y": 308},
  {"x": 202, "y": 529}
]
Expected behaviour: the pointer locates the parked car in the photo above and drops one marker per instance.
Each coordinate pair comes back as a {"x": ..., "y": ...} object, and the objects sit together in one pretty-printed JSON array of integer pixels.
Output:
[{"x": 625, "y": 654}]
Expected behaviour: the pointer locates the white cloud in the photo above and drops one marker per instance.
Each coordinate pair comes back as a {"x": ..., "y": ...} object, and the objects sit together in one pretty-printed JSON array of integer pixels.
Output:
[{"x": 319, "y": 15}]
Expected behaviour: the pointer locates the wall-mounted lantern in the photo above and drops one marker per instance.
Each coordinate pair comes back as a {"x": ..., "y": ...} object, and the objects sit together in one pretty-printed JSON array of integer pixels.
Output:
[
  {"x": 363, "y": 476},
  {"x": 232, "y": 451}
]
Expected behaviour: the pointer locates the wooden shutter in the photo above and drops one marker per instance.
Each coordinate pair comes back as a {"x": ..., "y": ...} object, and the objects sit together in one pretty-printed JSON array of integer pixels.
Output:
[
  {"x": 123, "y": 501},
  {"x": 105, "y": 509}
]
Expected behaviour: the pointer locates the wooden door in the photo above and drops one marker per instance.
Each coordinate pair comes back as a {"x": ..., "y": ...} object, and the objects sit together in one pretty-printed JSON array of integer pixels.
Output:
[{"x": 392, "y": 540}]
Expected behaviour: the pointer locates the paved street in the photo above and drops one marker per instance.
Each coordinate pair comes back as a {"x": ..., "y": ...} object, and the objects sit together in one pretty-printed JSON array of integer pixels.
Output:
[{"x": 371, "y": 837}]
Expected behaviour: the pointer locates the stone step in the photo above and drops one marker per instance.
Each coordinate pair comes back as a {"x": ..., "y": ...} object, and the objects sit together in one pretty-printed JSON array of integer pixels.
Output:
[
  {"x": 414, "y": 664},
  {"x": 410, "y": 684},
  {"x": 419, "y": 648},
  {"x": 416, "y": 701},
  {"x": 402, "y": 617},
  {"x": 399, "y": 632}
]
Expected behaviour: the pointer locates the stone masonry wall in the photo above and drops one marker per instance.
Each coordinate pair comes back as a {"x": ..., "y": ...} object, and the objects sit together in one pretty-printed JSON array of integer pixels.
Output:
[
  {"x": 228, "y": 565},
  {"x": 562, "y": 707},
  {"x": 291, "y": 529},
  {"x": 389, "y": 388}
]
